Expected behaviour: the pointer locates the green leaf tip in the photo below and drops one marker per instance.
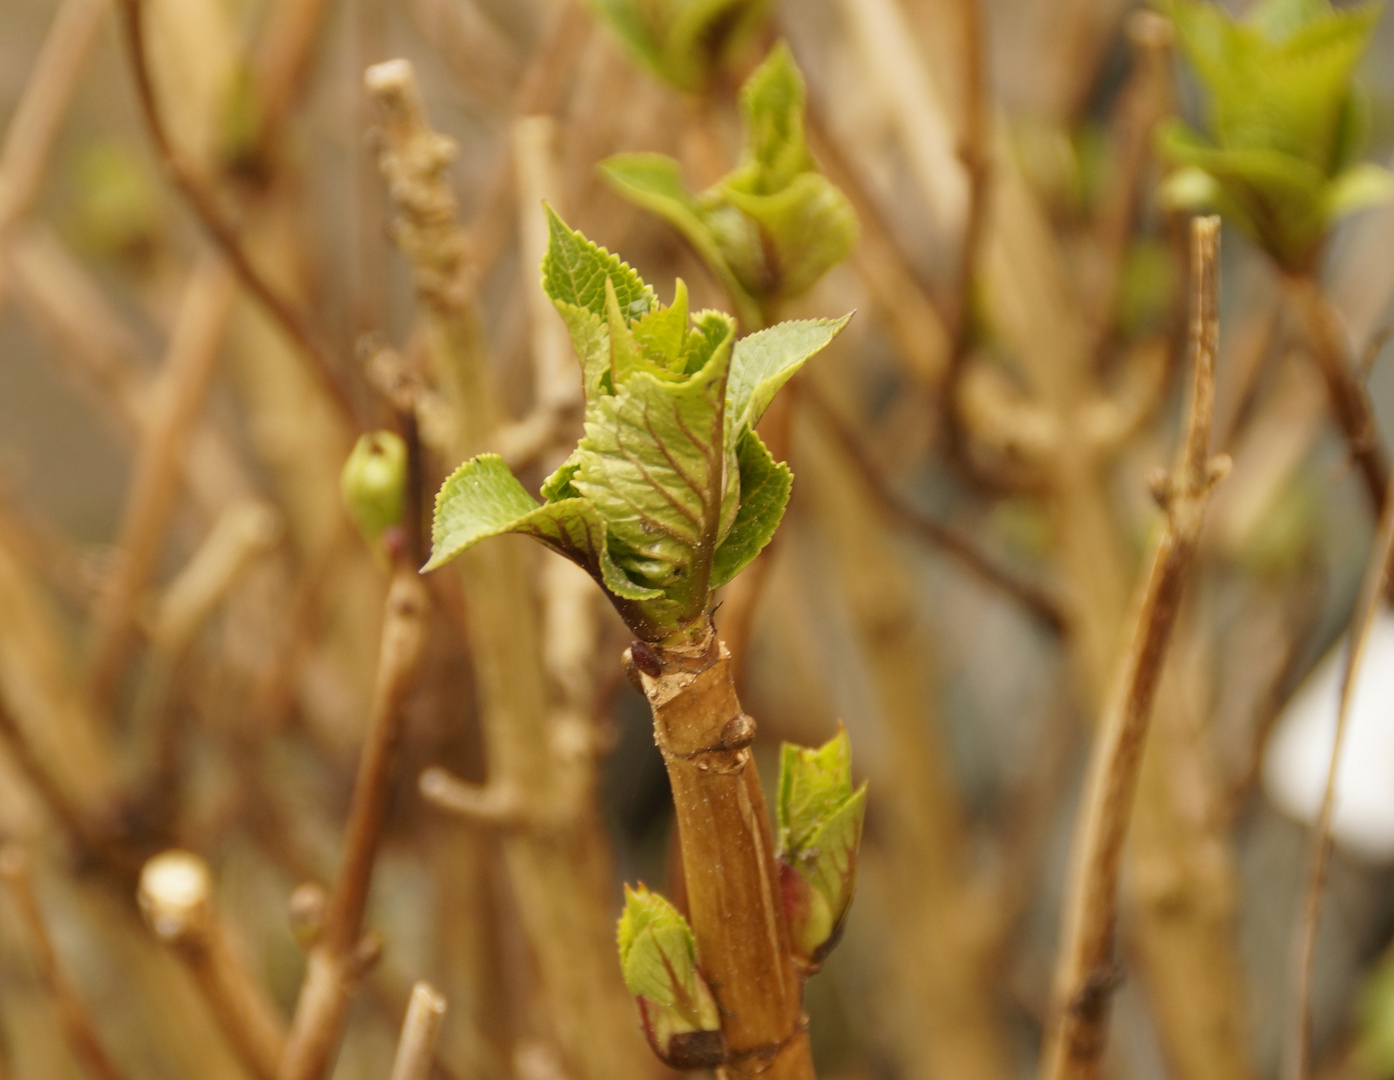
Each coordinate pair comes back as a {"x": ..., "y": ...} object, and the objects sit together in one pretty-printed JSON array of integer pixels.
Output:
[
  {"x": 771, "y": 228},
  {"x": 373, "y": 482},
  {"x": 1285, "y": 121},
  {"x": 658, "y": 959},
  {"x": 670, "y": 493},
  {"x": 682, "y": 42},
  {"x": 820, "y": 827}
]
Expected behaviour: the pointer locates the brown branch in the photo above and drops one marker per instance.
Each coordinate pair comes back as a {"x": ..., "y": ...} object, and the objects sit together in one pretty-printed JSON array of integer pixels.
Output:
[
  {"x": 416, "y": 1048},
  {"x": 1372, "y": 591},
  {"x": 224, "y": 233},
  {"x": 1349, "y": 401},
  {"x": 1036, "y": 600},
  {"x": 335, "y": 962},
  {"x": 73, "y": 1014},
  {"x": 1086, "y": 974},
  {"x": 176, "y": 898},
  {"x": 975, "y": 152},
  {"x": 733, "y": 886}
]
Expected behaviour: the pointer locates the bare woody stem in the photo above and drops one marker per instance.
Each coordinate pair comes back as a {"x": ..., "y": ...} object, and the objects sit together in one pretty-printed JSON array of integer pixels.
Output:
[
  {"x": 73, "y": 1014},
  {"x": 1086, "y": 972},
  {"x": 337, "y": 959},
  {"x": 728, "y": 857},
  {"x": 1374, "y": 587},
  {"x": 1349, "y": 401}
]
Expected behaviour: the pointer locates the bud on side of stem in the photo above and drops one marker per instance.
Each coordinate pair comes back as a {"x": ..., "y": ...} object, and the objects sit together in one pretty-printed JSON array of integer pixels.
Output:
[
  {"x": 820, "y": 829},
  {"x": 373, "y": 484},
  {"x": 658, "y": 956}
]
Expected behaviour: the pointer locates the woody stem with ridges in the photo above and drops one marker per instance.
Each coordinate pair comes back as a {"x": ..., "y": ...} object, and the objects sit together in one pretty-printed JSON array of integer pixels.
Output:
[{"x": 733, "y": 892}]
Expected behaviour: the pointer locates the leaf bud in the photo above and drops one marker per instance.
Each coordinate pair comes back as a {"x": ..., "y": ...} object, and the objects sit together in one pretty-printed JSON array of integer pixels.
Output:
[
  {"x": 658, "y": 956},
  {"x": 820, "y": 829},
  {"x": 373, "y": 482}
]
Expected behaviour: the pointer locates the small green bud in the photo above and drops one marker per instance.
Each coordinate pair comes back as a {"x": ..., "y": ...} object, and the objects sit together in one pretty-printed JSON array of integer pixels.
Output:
[
  {"x": 372, "y": 484},
  {"x": 820, "y": 828},
  {"x": 658, "y": 956}
]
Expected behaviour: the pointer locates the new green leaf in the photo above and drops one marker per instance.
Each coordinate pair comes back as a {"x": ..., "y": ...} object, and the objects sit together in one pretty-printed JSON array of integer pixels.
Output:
[
  {"x": 820, "y": 827},
  {"x": 658, "y": 958}
]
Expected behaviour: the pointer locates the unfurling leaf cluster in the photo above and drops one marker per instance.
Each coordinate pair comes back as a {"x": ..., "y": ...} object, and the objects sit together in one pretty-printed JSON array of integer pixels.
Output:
[
  {"x": 1286, "y": 122},
  {"x": 774, "y": 225},
  {"x": 820, "y": 829},
  {"x": 683, "y": 42},
  {"x": 658, "y": 957},
  {"x": 670, "y": 493}
]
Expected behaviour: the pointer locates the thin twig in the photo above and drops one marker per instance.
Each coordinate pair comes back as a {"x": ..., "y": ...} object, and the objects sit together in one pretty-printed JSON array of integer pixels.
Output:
[
  {"x": 73, "y": 1013},
  {"x": 224, "y": 233},
  {"x": 1372, "y": 591},
  {"x": 416, "y": 1047},
  {"x": 335, "y": 961},
  {"x": 1350, "y": 403},
  {"x": 1039, "y": 602},
  {"x": 1086, "y": 974}
]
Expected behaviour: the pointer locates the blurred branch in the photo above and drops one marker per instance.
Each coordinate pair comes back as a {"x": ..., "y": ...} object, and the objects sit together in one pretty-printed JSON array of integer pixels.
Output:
[
  {"x": 73, "y": 1013},
  {"x": 1349, "y": 401},
  {"x": 1032, "y": 597},
  {"x": 920, "y": 329},
  {"x": 336, "y": 960},
  {"x": 1145, "y": 100},
  {"x": 419, "y": 1030},
  {"x": 1086, "y": 974},
  {"x": 561, "y": 879},
  {"x": 1372, "y": 592},
  {"x": 175, "y": 895},
  {"x": 224, "y": 233},
  {"x": 177, "y": 400},
  {"x": 33, "y": 126}
]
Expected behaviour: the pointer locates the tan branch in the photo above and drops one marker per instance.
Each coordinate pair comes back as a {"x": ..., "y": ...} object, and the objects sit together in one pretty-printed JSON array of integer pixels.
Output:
[
  {"x": 336, "y": 960},
  {"x": 33, "y": 127},
  {"x": 733, "y": 891},
  {"x": 1349, "y": 401},
  {"x": 1086, "y": 973},
  {"x": 179, "y": 395},
  {"x": 73, "y": 1013},
  {"x": 416, "y": 1047},
  {"x": 176, "y": 897},
  {"x": 224, "y": 233},
  {"x": 1373, "y": 590}
]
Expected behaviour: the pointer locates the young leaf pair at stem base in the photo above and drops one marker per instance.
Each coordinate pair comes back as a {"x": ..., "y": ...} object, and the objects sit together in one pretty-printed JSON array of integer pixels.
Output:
[{"x": 820, "y": 826}]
